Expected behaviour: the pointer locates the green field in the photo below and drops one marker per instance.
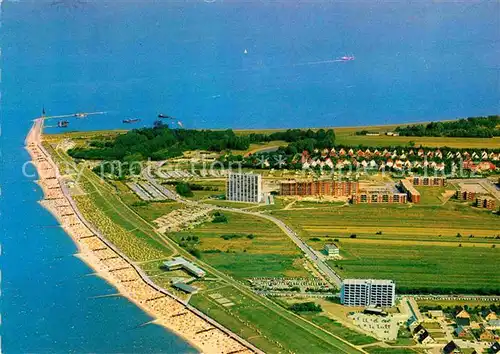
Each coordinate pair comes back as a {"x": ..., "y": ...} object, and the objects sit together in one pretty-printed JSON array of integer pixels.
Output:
[
  {"x": 269, "y": 253},
  {"x": 417, "y": 245},
  {"x": 347, "y": 136},
  {"x": 257, "y": 319},
  {"x": 380, "y": 350},
  {"x": 264, "y": 329},
  {"x": 336, "y": 328}
]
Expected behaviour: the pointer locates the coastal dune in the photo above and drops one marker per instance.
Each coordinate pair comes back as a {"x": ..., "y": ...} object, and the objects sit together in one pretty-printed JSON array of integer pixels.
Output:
[{"x": 111, "y": 264}]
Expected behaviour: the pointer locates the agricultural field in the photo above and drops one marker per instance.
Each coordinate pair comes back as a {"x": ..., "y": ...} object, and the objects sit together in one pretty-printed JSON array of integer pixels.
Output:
[
  {"x": 405, "y": 222},
  {"x": 347, "y": 136},
  {"x": 251, "y": 247},
  {"x": 404, "y": 243},
  {"x": 415, "y": 266}
]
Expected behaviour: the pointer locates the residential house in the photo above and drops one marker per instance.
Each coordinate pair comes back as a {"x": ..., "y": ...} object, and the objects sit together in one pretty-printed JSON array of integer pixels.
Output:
[
  {"x": 462, "y": 318},
  {"x": 493, "y": 324},
  {"x": 460, "y": 332},
  {"x": 495, "y": 348},
  {"x": 491, "y": 316},
  {"x": 487, "y": 336},
  {"x": 451, "y": 348}
]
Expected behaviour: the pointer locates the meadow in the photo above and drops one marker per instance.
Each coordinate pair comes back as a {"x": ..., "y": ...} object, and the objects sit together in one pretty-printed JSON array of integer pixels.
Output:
[
  {"x": 416, "y": 245},
  {"x": 269, "y": 252},
  {"x": 271, "y": 333},
  {"x": 347, "y": 136}
]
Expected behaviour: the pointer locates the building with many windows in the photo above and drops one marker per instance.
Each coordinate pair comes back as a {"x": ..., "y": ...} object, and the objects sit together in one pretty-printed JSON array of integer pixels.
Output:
[
  {"x": 244, "y": 187},
  {"x": 386, "y": 193},
  {"x": 368, "y": 292},
  {"x": 429, "y": 181},
  {"x": 330, "y": 188},
  {"x": 407, "y": 187}
]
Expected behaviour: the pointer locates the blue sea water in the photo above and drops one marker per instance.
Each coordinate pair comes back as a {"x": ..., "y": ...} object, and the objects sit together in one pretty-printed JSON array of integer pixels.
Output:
[{"x": 415, "y": 61}]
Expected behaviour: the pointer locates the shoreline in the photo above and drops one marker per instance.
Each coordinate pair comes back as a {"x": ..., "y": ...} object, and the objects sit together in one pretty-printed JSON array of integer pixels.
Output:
[{"x": 108, "y": 262}]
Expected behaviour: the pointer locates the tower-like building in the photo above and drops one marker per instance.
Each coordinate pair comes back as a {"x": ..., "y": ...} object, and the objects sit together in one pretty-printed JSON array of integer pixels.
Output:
[
  {"x": 368, "y": 292},
  {"x": 244, "y": 187}
]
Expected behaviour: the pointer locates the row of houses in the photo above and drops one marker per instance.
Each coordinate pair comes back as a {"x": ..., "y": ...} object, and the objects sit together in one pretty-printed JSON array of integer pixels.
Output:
[
  {"x": 403, "y": 154},
  {"x": 396, "y": 164}
]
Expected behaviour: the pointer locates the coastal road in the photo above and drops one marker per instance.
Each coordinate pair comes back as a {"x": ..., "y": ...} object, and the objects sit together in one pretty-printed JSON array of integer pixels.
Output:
[{"x": 308, "y": 251}]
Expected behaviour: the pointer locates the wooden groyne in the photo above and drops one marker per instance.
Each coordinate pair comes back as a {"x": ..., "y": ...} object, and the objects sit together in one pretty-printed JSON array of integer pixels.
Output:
[{"x": 114, "y": 266}]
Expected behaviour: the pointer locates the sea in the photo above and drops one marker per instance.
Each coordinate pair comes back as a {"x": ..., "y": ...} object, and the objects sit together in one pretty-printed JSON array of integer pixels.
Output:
[{"x": 209, "y": 64}]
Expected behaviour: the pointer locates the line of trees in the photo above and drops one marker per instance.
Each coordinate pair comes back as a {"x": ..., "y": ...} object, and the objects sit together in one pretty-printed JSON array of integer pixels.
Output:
[
  {"x": 161, "y": 142},
  {"x": 448, "y": 291},
  {"x": 480, "y": 127}
]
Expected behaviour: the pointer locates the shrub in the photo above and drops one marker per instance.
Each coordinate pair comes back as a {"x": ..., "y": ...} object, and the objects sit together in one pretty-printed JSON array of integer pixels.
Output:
[
  {"x": 219, "y": 217},
  {"x": 183, "y": 189},
  {"x": 305, "y": 307},
  {"x": 353, "y": 236}
]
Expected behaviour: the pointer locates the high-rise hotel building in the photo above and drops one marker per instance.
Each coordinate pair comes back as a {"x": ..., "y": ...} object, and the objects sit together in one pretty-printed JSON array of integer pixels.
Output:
[
  {"x": 244, "y": 187},
  {"x": 368, "y": 292}
]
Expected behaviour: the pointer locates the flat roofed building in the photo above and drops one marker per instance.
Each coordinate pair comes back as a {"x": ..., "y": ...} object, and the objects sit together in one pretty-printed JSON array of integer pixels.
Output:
[
  {"x": 185, "y": 287},
  {"x": 181, "y": 263},
  {"x": 331, "y": 188},
  {"x": 244, "y": 187},
  {"x": 413, "y": 194},
  {"x": 332, "y": 249},
  {"x": 485, "y": 202},
  {"x": 431, "y": 181},
  {"x": 387, "y": 193},
  {"x": 368, "y": 292}
]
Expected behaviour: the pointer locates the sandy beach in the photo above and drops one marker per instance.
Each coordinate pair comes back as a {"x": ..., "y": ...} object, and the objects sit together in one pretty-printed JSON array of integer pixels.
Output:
[{"x": 108, "y": 262}]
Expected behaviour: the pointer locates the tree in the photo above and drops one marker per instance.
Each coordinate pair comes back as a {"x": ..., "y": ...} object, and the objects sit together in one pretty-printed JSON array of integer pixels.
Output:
[{"x": 183, "y": 189}]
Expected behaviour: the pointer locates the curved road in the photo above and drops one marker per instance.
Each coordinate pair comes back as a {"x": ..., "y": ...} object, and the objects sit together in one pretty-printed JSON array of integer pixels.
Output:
[{"x": 308, "y": 251}]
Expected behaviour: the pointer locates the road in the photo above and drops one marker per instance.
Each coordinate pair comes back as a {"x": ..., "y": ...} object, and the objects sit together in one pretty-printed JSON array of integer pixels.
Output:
[{"x": 308, "y": 251}]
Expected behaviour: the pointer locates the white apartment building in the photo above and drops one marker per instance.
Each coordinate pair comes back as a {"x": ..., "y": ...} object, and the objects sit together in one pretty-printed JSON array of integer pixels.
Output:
[
  {"x": 368, "y": 292},
  {"x": 244, "y": 187}
]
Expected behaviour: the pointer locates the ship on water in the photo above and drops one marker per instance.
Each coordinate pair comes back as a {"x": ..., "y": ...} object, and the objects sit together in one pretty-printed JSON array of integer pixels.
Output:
[
  {"x": 347, "y": 58},
  {"x": 161, "y": 115},
  {"x": 62, "y": 123},
  {"x": 131, "y": 120}
]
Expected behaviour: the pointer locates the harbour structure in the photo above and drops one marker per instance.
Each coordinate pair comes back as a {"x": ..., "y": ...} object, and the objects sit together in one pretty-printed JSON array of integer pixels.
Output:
[
  {"x": 379, "y": 194},
  {"x": 411, "y": 192},
  {"x": 368, "y": 292},
  {"x": 431, "y": 181},
  {"x": 244, "y": 187},
  {"x": 181, "y": 263},
  {"x": 331, "y": 188}
]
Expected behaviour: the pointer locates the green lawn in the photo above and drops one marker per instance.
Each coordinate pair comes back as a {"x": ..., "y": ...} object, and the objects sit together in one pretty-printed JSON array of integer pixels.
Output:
[
  {"x": 269, "y": 253},
  {"x": 336, "y": 328},
  {"x": 380, "y": 350},
  {"x": 265, "y": 329}
]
